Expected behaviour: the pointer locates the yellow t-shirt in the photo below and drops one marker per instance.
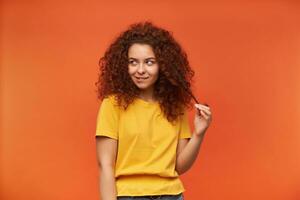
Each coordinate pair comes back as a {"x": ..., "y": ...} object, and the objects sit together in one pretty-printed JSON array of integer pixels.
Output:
[{"x": 147, "y": 145}]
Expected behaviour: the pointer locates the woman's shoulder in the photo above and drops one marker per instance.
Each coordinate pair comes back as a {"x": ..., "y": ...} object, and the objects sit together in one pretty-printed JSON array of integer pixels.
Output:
[{"x": 111, "y": 99}]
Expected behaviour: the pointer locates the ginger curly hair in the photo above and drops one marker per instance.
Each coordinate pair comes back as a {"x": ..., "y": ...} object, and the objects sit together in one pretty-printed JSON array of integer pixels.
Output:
[{"x": 174, "y": 70}]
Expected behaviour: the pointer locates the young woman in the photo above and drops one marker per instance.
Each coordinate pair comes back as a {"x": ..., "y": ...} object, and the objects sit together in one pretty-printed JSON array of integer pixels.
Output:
[{"x": 143, "y": 138}]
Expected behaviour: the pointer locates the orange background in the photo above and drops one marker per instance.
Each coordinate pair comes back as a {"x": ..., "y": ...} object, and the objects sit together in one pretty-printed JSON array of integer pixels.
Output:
[{"x": 246, "y": 56}]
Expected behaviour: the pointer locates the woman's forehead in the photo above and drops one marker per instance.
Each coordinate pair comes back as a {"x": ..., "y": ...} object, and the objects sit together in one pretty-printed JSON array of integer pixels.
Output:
[{"x": 140, "y": 51}]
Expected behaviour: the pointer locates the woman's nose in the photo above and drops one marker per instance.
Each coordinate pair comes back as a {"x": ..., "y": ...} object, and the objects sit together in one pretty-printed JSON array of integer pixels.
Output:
[{"x": 141, "y": 68}]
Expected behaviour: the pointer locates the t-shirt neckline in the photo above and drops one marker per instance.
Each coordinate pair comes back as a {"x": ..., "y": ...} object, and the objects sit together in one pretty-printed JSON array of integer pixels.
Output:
[{"x": 144, "y": 102}]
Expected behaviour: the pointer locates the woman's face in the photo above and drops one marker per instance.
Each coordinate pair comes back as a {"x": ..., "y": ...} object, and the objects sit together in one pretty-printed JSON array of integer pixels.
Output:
[{"x": 142, "y": 68}]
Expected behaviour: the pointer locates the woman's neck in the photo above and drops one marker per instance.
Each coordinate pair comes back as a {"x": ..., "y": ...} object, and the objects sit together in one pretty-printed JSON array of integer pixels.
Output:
[{"x": 147, "y": 96}]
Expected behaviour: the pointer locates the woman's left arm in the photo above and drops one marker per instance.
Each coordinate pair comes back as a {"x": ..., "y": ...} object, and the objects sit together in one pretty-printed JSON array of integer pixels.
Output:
[{"x": 188, "y": 149}]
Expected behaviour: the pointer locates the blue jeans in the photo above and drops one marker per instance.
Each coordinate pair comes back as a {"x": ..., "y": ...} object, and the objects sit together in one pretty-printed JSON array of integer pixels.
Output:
[{"x": 156, "y": 197}]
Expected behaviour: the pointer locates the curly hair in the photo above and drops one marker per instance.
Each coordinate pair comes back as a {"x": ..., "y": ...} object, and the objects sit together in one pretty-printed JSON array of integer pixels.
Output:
[{"x": 173, "y": 85}]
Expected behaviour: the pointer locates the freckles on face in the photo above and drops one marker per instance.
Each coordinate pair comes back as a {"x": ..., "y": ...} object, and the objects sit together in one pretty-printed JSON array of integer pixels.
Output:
[{"x": 142, "y": 65}]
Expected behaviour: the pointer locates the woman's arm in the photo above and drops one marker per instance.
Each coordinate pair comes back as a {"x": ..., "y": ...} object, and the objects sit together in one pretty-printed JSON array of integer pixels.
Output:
[
  {"x": 188, "y": 148},
  {"x": 106, "y": 155},
  {"x": 187, "y": 152}
]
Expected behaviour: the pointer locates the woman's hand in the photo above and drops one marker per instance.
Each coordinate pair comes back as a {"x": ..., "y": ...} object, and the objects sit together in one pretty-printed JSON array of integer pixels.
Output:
[{"x": 202, "y": 119}]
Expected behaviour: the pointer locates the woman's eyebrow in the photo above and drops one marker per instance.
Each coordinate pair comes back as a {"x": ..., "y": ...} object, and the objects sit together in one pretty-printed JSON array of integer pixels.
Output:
[{"x": 145, "y": 59}]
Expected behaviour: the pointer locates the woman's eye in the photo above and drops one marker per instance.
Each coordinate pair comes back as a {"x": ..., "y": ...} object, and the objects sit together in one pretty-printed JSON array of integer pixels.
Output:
[
  {"x": 150, "y": 62},
  {"x": 132, "y": 62}
]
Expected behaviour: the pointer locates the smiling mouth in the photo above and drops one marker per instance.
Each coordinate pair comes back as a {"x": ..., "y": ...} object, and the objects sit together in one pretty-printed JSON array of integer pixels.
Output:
[{"x": 141, "y": 78}]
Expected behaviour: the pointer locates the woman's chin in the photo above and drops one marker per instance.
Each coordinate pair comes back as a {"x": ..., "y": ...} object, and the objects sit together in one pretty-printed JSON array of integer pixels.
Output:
[{"x": 142, "y": 86}]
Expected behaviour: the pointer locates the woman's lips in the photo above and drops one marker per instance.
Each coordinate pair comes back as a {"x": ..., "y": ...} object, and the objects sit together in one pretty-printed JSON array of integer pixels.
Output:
[{"x": 141, "y": 78}]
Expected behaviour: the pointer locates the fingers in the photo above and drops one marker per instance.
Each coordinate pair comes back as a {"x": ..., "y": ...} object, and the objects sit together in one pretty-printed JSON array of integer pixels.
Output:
[
  {"x": 205, "y": 115},
  {"x": 204, "y": 110},
  {"x": 202, "y": 105}
]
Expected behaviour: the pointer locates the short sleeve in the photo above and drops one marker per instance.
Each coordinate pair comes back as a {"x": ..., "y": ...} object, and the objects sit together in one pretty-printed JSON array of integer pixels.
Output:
[
  {"x": 108, "y": 119},
  {"x": 185, "y": 130}
]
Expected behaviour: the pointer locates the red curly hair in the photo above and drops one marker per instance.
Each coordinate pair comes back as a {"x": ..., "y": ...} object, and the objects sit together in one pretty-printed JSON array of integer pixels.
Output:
[{"x": 173, "y": 85}]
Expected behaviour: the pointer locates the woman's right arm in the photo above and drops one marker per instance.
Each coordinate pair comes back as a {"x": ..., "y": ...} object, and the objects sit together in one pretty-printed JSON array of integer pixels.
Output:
[{"x": 106, "y": 155}]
